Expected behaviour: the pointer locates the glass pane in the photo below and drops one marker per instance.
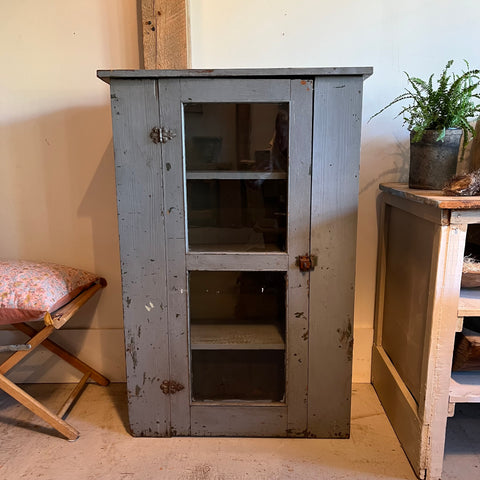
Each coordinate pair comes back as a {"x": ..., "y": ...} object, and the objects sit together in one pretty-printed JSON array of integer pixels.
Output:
[
  {"x": 236, "y": 164},
  {"x": 238, "y": 375},
  {"x": 236, "y": 136},
  {"x": 237, "y": 335}
]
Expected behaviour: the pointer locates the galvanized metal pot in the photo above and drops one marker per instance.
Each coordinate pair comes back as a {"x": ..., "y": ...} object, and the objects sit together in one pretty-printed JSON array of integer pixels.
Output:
[{"x": 433, "y": 163}]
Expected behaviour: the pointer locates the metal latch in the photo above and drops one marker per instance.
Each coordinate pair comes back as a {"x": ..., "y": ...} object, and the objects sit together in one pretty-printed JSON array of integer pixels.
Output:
[
  {"x": 169, "y": 387},
  {"x": 306, "y": 263},
  {"x": 161, "y": 135}
]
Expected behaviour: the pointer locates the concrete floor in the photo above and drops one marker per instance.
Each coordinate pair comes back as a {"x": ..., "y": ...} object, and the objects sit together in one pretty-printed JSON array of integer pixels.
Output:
[{"x": 105, "y": 450}]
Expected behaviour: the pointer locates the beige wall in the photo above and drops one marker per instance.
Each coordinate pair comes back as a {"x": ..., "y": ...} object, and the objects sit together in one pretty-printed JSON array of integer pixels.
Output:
[
  {"x": 56, "y": 180},
  {"x": 57, "y": 183}
]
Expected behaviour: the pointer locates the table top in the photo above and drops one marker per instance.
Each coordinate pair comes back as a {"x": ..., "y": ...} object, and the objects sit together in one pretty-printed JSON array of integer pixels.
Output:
[{"x": 435, "y": 198}]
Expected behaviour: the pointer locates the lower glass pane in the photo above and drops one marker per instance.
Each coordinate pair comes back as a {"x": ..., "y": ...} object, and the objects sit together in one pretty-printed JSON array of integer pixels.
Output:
[
  {"x": 238, "y": 375},
  {"x": 237, "y": 335}
]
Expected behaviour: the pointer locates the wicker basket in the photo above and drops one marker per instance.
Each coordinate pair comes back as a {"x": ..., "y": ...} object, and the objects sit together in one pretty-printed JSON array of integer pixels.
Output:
[{"x": 471, "y": 273}]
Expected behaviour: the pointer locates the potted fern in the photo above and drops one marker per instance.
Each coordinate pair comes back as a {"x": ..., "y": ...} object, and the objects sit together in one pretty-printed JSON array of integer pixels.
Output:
[{"x": 437, "y": 119}]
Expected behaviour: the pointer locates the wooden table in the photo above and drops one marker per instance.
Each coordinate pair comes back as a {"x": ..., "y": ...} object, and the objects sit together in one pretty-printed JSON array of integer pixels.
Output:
[{"x": 419, "y": 308}]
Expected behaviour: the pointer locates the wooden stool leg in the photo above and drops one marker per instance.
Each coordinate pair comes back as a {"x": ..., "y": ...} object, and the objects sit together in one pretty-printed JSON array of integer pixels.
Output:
[
  {"x": 62, "y": 353},
  {"x": 38, "y": 409},
  {"x": 77, "y": 391},
  {"x": 35, "y": 341}
]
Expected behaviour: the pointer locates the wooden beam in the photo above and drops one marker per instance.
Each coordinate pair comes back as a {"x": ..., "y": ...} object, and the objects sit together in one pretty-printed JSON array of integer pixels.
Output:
[{"x": 165, "y": 34}]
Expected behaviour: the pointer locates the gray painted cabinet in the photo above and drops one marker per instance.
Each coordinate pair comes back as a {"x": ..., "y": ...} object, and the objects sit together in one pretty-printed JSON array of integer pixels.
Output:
[{"x": 237, "y": 201}]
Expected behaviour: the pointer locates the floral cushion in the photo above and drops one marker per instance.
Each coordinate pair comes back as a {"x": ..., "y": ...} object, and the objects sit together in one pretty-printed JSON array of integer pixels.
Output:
[{"x": 29, "y": 289}]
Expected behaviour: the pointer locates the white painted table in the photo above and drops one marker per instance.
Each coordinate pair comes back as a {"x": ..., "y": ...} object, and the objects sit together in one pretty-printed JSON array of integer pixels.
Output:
[{"x": 419, "y": 308}]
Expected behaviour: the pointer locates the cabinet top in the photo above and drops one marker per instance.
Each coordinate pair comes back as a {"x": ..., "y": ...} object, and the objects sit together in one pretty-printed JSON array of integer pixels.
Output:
[
  {"x": 365, "y": 72},
  {"x": 434, "y": 198}
]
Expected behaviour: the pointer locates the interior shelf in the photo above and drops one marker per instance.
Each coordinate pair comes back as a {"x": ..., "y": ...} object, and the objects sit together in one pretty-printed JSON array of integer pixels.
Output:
[
  {"x": 236, "y": 337},
  {"x": 234, "y": 175},
  {"x": 465, "y": 387},
  {"x": 469, "y": 302}
]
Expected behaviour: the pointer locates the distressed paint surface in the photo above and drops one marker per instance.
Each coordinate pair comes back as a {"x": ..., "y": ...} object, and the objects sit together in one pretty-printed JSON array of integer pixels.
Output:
[
  {"x": 141, "y": 223},
  {"x": 237, "y": 73},
  {"x": 257, "y": 421},
  {"x": 298, "y": 243},
  {"x": 151, "y": 209},
  {"x": 336, "y": 159},
  {"x": 172, "y": 152}
]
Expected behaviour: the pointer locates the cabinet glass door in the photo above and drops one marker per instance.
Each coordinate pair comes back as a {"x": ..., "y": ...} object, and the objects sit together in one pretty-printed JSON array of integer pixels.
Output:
[
  {"x": 246, "y": 190},
  {"x": 236, "y": 162}
]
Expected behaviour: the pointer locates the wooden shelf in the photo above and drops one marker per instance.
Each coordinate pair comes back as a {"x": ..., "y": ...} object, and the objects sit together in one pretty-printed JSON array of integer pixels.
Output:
[
  {"x": 465, "y": 387},
  {"x": 469, "y": 302},
  {"x": 234, "y": 175},
  {"x": 236, "y": 337}
]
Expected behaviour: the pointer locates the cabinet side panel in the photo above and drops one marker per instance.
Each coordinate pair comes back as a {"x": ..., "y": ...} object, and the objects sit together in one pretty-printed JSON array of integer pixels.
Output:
[
  {"x": 336, "y": 156},
  {"x": 142, "y": 251},
  {"x": 298, "y": 244},
  {"x": 401, "y": 409},
  {"x": 407, "y": 281}
]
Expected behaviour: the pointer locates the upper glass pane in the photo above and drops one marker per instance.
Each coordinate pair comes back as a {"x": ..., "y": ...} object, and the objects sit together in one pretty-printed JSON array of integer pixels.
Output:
[{"x": 236, "y": 158}]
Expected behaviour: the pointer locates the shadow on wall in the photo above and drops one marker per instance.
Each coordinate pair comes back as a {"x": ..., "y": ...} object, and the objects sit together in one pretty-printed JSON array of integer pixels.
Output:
[
  {"x": 389, "y": 162},
  {"x": 385, "y": 162},
  {"x": 57, "y": 179}
]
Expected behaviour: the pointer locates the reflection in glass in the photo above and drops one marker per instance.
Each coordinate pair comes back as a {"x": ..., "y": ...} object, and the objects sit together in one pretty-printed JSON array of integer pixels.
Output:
[
  {"x": 236, "y": 164},
  {"x": 238, "y": 137}
]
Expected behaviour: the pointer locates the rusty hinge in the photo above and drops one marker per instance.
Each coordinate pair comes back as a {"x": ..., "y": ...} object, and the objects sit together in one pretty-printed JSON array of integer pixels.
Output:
[
  {"x": 306, "y": 263},
  {"x": 161, "y": 135},
  {"x": 169, "y": 387}
]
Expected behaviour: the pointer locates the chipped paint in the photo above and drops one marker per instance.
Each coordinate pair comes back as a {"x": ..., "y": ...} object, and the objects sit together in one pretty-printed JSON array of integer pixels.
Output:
[
  {"x": 149, "y": 307},
  {"x": 346, "y": 340},
  {"x": 130, "y": 349},
  {"x": 300, "y": 315},
  {"x": 350, "y": 351}
]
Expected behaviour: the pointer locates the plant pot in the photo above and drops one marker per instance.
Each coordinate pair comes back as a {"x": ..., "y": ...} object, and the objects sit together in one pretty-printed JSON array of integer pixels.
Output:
[{"x": 433, "y": 163}]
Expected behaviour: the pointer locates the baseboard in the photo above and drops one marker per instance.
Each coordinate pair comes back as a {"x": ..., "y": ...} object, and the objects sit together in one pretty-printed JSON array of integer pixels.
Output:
[{"x": 104, "y": 350}]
